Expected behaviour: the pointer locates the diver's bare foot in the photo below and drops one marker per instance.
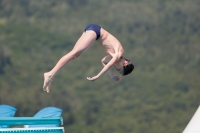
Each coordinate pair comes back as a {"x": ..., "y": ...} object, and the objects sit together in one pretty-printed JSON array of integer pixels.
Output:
[{"x": 47, "y": 82}]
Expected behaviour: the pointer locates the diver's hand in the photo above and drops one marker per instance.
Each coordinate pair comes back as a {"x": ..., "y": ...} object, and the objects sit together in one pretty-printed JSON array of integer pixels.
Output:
[
  {"x": 92, "y": 78},
  {"x": 116, "y": 78}
]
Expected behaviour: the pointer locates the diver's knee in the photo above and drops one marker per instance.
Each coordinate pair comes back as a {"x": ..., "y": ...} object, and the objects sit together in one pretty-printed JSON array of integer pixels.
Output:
[{"x": 75, "y": 54}]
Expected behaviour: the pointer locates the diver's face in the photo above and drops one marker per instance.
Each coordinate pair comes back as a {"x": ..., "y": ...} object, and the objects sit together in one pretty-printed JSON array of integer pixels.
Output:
[{"x": 119, "y": 66}]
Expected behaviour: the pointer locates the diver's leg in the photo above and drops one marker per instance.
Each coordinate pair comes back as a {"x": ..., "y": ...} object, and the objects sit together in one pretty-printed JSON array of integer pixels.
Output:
[{"x": 84, "y": 42}]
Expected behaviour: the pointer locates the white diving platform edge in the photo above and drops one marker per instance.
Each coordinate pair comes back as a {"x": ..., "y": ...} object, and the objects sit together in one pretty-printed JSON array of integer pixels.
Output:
[{"x": 194, "y": 124}]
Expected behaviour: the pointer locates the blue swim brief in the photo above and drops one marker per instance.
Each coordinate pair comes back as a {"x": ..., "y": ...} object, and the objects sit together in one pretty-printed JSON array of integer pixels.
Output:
[{"x": 95, "y": 28}]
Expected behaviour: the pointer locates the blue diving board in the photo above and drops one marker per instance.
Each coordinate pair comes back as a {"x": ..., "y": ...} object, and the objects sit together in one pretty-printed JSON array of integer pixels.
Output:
[
  {"x": 33, "y": 130},
  {"x": 30, "y": 120},
  {"x": 18, "y": 121}
]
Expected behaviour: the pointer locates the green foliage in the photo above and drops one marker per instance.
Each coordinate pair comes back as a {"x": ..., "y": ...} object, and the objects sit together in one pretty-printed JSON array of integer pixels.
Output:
[{"x": 161, "y": 37}]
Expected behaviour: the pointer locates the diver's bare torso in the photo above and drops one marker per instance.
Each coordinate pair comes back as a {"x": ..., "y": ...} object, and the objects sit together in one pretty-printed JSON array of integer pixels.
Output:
[{"x": 110, "y": 44}]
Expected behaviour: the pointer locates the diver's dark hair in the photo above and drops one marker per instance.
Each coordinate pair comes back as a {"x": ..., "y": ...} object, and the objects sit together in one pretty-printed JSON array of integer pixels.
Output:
[{"x": 129, "y": 68}]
